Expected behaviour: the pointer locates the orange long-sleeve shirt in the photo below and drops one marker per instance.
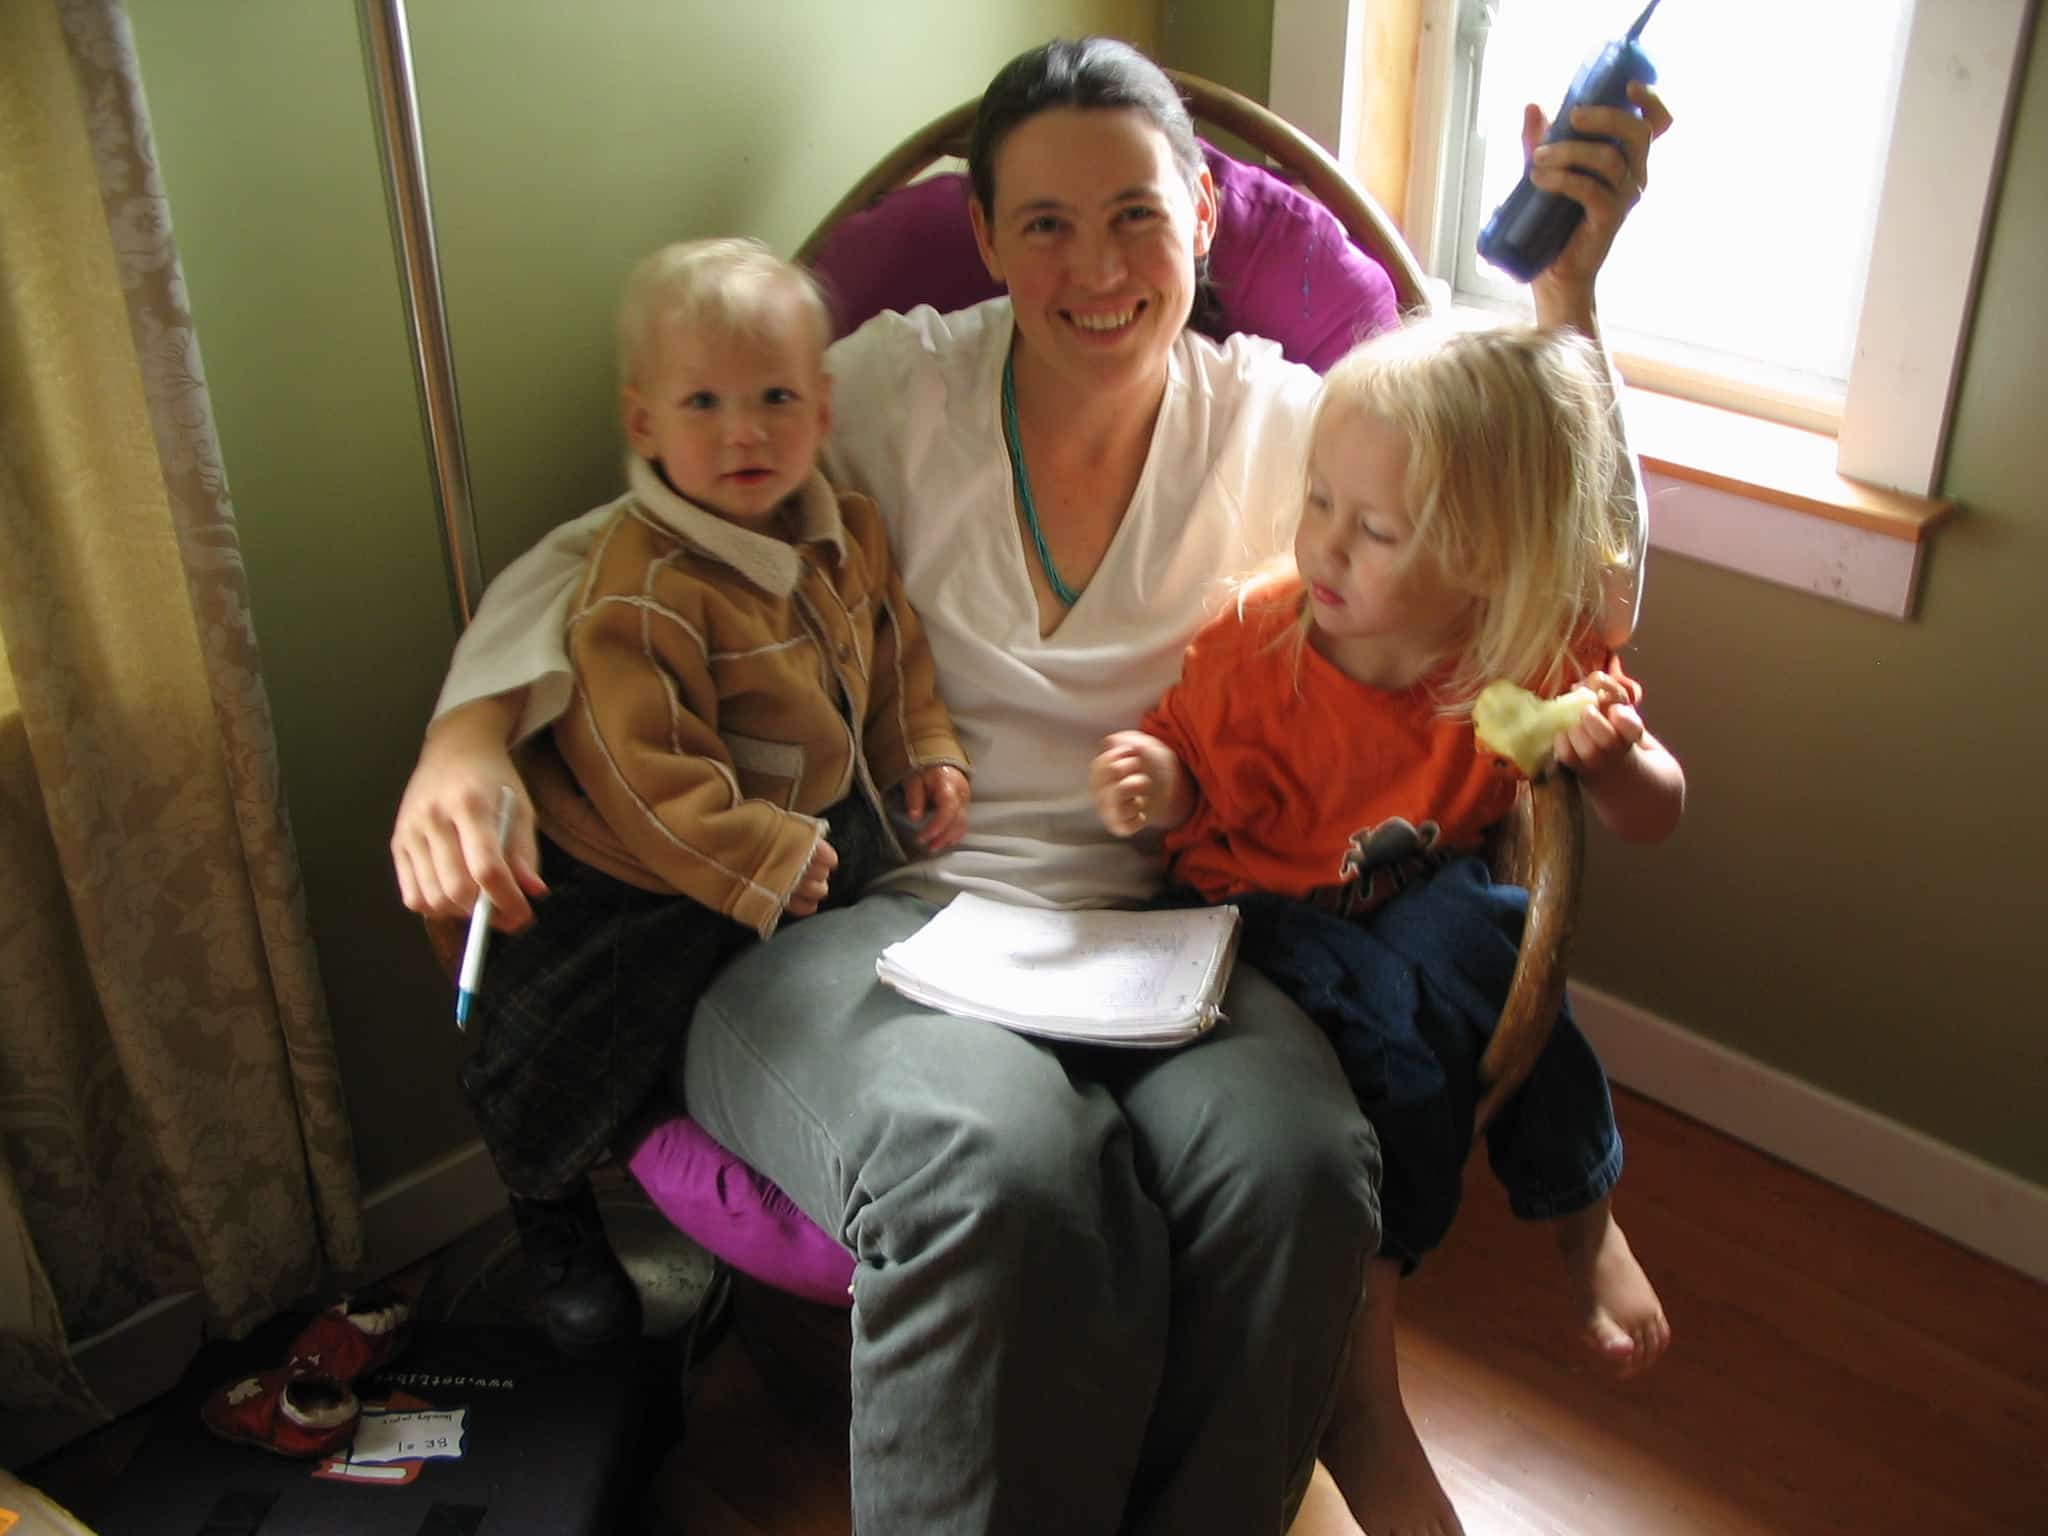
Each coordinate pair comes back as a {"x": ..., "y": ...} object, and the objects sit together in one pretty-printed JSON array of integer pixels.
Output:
[{"x": 1313, "y": 784}]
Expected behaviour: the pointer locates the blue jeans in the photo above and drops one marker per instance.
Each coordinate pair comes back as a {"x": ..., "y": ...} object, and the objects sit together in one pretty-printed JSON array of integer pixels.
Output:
[
  {"x": 1409, "y": 996},
  {"x": 1096, "y": 1290}
]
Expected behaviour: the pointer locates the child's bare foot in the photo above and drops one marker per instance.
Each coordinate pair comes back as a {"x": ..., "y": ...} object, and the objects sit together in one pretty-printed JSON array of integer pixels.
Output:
[
  {"x": 1625, "y": 1322},
  {"x": 1371, "y": 1448},
  {"x": 1323, "y": 1512},
  {"x": 1385, "y": 1476}
]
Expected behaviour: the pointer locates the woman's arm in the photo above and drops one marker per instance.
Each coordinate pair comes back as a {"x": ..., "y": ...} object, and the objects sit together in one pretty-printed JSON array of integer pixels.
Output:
[
  {"x": 509, "y": 678},
  {"x": 445, "y": 844},
  {"x": 515, "y": 644}
]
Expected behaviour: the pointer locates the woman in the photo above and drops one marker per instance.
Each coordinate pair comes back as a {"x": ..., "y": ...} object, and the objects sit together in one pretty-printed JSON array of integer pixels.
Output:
[{"x": 1096, "y": 1290}]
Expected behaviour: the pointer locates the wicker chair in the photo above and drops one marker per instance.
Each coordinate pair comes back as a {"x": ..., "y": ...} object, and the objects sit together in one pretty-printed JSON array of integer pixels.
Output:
[{"x": 800, "y": 1344}]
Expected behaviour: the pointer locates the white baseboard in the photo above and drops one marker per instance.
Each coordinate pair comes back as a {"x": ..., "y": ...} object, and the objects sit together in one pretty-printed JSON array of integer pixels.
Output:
[
  {"x": 1892, "y": 1165},
  {"x": 429, "y": 1208}
]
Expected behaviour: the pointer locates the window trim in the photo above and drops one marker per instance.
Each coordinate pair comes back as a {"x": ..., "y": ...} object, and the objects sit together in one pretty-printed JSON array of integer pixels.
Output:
[
  {"x": 1958, "y": 89},
  {"x": 1766, "y": 499}
]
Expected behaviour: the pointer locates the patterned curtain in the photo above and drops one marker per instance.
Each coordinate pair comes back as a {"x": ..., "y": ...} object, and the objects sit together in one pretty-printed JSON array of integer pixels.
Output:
[{"x": 171, "y": 1117}]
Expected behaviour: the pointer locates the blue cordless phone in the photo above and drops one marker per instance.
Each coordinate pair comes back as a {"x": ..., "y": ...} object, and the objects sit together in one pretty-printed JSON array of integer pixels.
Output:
[{"x": 1529, "y": 229}]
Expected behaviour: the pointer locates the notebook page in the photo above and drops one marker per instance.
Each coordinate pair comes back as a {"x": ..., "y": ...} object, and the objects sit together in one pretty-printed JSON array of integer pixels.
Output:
[{"x": 1018, "y": 964}]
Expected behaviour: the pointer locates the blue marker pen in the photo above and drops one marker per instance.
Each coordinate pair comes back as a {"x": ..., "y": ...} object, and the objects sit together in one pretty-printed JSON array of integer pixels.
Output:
[{"x": 480, "y": 922}]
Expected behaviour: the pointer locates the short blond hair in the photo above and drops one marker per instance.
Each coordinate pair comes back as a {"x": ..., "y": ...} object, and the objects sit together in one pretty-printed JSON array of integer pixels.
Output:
[
  {"x": 727, "y": 285},
  {"x": 1513, "y": 463}
]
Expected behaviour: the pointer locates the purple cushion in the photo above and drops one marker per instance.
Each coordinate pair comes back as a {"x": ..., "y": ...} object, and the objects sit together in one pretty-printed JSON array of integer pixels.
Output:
[
  {"x": 1282, "y": 266},
  {"x": 733, "y": 1212},
  {"x": 866, "y": 262}
]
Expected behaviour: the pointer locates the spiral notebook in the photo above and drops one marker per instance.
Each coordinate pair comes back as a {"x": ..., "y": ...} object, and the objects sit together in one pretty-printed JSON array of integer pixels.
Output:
[{"x": 1105, "y": 977}]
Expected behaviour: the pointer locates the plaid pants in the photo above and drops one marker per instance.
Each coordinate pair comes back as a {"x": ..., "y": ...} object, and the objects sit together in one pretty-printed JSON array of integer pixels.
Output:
[{"x": 581, "y": 1016}]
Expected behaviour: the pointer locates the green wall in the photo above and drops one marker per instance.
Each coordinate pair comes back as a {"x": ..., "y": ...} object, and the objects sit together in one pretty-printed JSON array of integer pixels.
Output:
[
  {"x": 562, "y": 141},
  {"x": 1228, "y": 41},
  {"x": 264, "y": 138},
  {"x": 1856, "y": 895}
]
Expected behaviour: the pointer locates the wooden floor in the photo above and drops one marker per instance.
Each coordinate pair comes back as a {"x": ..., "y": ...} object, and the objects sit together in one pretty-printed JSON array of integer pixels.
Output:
[{"x": 1834, "y": 1369}]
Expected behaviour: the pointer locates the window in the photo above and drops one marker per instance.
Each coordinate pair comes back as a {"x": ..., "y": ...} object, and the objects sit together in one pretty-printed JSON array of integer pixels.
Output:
[
  {"x": 1851, "y": 145},
  {"x": 1729, "y": 479},
  {"x": 1922, "y": 122},
  {"x": 1745, "y": 281}
]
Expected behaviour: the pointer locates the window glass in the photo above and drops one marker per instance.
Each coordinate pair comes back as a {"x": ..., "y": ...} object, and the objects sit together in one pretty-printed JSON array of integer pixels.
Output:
[{"x": 1747, "y": 255}]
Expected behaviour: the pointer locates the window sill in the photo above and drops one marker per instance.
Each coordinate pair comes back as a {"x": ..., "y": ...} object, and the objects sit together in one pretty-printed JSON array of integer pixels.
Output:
[{"x": 1765, "y": 499}]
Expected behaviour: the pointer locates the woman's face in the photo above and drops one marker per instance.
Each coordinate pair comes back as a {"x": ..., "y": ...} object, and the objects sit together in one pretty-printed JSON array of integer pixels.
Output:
[{"x": 1095, "y": 232}]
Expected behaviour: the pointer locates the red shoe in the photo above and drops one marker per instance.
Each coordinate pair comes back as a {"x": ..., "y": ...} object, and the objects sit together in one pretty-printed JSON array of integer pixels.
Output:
[
  {"x": 283, "y": 1412},
  {"x": 347, "y": 1342}
]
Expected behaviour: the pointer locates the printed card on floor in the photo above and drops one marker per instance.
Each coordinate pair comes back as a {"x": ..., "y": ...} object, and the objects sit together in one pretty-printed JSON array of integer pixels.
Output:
[{"x": 420, "y": 1436}]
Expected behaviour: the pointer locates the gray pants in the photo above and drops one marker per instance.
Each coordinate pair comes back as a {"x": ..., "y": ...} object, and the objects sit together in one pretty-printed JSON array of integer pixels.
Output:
[{"x": 1097, "y": 1290}]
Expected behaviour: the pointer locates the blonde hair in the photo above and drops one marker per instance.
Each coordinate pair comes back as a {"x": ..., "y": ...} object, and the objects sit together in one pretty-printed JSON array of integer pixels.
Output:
[
  {"x": 1513, "y": 463},
  {"x": 730, "y": 285}
]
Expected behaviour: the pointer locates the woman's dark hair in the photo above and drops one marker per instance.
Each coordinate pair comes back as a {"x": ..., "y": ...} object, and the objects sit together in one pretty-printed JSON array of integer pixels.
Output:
[
  {"x": 1093, "y": 73},
  {"x": 1088, "y": 72}
]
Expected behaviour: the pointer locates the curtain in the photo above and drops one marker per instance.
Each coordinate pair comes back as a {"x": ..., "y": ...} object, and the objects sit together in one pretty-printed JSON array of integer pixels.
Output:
[{"x": 171, "y": 1116}]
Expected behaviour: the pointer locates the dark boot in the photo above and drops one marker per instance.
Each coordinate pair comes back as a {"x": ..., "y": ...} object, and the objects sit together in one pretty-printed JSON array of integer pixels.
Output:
[{"x": 587, "y": 1302}]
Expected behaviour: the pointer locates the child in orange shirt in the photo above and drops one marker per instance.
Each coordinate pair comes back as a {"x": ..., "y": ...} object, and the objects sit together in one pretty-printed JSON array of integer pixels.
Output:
[{"x": 1316, "y": 765}]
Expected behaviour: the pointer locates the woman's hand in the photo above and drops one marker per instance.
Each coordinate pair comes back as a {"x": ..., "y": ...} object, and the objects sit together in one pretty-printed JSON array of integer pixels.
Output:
[
  {"x": 936, "y": 799},
  {"x": 1607, "y": 180},
  {"x": 815, "y": 881},
  {"x": 1139, "y": 785},
  {"x": 444, "y": 847}
]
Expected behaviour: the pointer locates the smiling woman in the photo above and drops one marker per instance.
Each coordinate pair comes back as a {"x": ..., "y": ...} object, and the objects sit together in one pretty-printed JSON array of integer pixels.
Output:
[
  {"x": 1094, "y": 250},
  {"x": 996, "y": 1272},
  {"x": 1031, "y": 1224},
  {"x": 1088, "y": 216}
]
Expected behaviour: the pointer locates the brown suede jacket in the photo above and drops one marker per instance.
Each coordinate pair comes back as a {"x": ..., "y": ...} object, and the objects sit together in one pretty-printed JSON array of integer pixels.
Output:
[{"x": 730, "y": 687}]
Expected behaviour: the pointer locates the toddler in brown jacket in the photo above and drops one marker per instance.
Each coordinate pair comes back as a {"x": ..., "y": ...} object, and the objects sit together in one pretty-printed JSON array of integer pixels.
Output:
[{"x": 750, "y": 685}]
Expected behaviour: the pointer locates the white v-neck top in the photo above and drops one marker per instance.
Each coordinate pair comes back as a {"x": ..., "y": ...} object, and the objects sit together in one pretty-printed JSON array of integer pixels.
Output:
[{"x": 918, "y": 427}]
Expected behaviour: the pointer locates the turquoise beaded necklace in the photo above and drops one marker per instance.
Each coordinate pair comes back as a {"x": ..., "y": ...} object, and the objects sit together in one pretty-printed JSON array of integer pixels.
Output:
[{"x": 1022, "y": 481}]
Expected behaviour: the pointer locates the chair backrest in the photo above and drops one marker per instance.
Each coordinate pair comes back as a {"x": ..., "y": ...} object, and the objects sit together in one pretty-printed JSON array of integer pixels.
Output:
[{"x": 1315, "y": 273}]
